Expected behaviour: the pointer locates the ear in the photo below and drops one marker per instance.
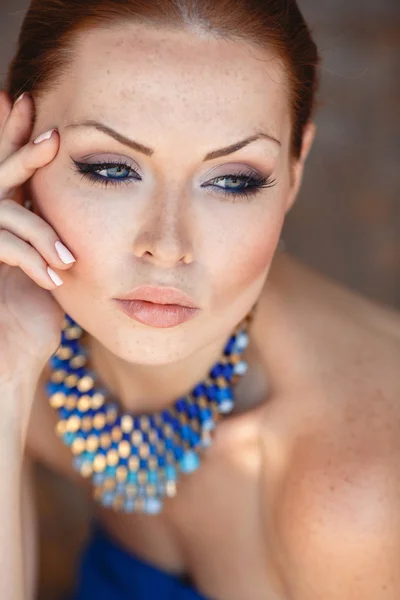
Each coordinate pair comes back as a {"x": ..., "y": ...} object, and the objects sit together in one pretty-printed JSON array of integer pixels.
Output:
[{"x": 297, "y": 167}]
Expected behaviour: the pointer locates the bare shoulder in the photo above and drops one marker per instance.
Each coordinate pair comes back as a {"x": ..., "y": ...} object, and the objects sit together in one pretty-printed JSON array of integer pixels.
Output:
[{"x": 338, "y": 504}]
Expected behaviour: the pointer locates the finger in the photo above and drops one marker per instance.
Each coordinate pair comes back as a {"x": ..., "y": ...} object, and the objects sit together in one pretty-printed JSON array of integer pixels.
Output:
[
  {"x": 5, "y": 108},
  {"x": 17, "y": 127},
  {"x": 21, "y": 165},
  {"x": 33, "y": 229},
  {"x": 17, "y": 253}
]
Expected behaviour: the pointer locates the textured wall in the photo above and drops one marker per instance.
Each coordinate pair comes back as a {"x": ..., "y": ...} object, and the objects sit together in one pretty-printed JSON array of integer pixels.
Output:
[{"x": 347, "y": 218}]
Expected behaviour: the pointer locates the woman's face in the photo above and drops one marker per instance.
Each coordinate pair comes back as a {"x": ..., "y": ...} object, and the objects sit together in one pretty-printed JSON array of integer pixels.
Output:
[{"x": 168, "y": 216}]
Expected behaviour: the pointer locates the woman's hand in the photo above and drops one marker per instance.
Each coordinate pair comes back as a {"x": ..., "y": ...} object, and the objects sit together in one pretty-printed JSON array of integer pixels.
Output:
[{"x": 30, "y": 318}]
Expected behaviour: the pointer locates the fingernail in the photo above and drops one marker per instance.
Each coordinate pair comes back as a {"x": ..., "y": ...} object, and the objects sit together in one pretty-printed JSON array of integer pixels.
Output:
[
  {"x": 19, "y": 98},
  {"x": 54, "y": 277},
  {"x": 43, "y": 136},
  {"x": 64, "y": 254}
]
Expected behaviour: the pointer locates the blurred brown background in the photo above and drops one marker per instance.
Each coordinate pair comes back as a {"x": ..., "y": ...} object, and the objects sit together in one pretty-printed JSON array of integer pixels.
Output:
[{"x": 347, "y": 218}]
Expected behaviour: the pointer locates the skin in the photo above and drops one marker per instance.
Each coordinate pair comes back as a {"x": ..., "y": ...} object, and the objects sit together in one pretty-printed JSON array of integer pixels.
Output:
[
  {"x": 286, "y": 480},
  {"x": 165, "y": 229}
]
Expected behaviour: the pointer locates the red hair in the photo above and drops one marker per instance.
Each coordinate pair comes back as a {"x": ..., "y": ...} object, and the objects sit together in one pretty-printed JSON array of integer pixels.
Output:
[{"x": 45, "y": 45}]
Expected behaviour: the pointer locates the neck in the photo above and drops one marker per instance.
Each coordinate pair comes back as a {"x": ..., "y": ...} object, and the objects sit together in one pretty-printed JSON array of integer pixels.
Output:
[{"x": 148, "y": 388}]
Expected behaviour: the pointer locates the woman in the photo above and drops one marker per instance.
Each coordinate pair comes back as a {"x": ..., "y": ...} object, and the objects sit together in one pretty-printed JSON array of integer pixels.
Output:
[{"x": 238, "y": 433}]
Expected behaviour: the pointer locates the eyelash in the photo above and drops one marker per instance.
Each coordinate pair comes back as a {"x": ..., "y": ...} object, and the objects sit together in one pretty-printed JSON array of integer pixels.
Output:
[{"x": 255, "y": 184}]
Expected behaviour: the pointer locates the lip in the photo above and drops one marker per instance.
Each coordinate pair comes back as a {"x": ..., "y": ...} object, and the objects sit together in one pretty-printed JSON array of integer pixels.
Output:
[
  {"x": 157, "y": 315},
  {"x": 158, "y": 306},
  {"x": 159, "y": 295}
]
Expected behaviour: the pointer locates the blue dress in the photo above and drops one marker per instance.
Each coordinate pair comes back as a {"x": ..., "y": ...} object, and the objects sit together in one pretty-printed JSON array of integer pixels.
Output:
[{"x": 108, "y": 572}]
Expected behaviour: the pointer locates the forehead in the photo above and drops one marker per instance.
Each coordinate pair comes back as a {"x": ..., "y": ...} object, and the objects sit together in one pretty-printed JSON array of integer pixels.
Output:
[{"x": 136, "y": 75}]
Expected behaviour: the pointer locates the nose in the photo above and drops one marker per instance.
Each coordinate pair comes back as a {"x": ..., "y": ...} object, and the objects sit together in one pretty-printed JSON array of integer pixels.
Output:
[{"x": 165, "y": 237}]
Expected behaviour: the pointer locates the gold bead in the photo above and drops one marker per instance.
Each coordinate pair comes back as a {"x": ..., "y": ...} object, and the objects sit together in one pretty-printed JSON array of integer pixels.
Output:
[
  {"x": 133, "y": 463},
  {"x": 142, "y": 477},
  {"x": 73, "y": 423},
  {"x": 112, "y": 414},
  {"x": 136, "y": 437},
  {"x": 99, "y": 420},
  {"x": 99, "y": 463},
  {"x": 105, "y": 440},
  {"x": 112, "y": 457},
  {"x": 124, "y": 449},
  {"x": 221, "y": 382},
  {"x": 92, "y": 443},
  {"x": 170, "y": 488},
  {"x": 202, "y": 402},
  {"x": 167, "y": 429},
  {"x": 71, "y": 401},
  {"x": 151, "y": 489},
  {"x": 153, "y": 463},
  {"x": 87, "y": 423},
  {"x": 98, "y": 400},
  {"x": 97, "y": 493},
  {"x": 122, "y": 473},
  {"x": 58, "y": 375},
  {"x": 85, "y": 383},
  {"x": 131, "y": 489},
  {"x": 64, "y": 352},
  {"x": 118, "y": 502},
  {"x": 169, "y": 455},
  {"x": 86, "y": 469},
  {"x": 116, "y": 434},
  {"x": 183, "y": 418},
  {"x": 57, "y": 400},
  {"x": 144, "y": 423},
  {"x": 78, "y": 445},
  {"x": 78, "y": 361},
  {"x": 61, "y": 427},
  {"x": 71, "y": 380},
  {"x": 109, "y": 484},
  {"x": 84, "y": 403},
  {"x": 144, "y": 451},
  {"x": 73, "y": 332},
  {"x": 153, "y": 436},
  {"x": 127, "y": 423}
]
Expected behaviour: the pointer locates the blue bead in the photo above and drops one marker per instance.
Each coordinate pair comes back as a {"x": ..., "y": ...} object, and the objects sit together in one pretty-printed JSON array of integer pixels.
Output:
[
  {"x": 180, "y": 405},
  {"x": 205, "y": 414},
  {"x": 228, "y": 372},
  {"x": 98, "y": 478},
  {"x": 169, "y": 444},
  {"x": 132, "y": 477},
  {"x": 199, "y": 390},
  {"x": 107, "y": 498},
  {"x": 143, "y": 463},
  {"x": 178, "y": 453},
  {"x": 224, "y": 394},
  {"x": 190, "y": 462},
  {"x": 152, "y": 477},
  {"x": 229, "y": 346},
  {"x": 217, "y": 370},
  {"x": 185, "y": 432},
  {"x": 153, "y": 506},
  {"x": 161, "y": 461},
  {"x": 68, "y": 437},
  {"x": 170, "y": 473}
]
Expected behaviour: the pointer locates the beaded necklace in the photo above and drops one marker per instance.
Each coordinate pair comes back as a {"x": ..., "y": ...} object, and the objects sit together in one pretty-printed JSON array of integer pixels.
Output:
[{"x": 134, "y": 461}]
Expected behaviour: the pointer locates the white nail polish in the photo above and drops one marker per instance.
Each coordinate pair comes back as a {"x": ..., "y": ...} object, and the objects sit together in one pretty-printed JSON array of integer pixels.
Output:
[
  {"x": 54, "y": 277},
  {"x": 19, "y": 98},
  {"x": 64, "y": 254},
  {"x": 43, "y": 136}
]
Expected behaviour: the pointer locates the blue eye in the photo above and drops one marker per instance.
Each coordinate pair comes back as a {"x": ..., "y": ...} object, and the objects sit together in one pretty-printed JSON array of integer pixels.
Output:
[
  {"x": 241, "y": 184},
  {"x": 106, "y": 173}
]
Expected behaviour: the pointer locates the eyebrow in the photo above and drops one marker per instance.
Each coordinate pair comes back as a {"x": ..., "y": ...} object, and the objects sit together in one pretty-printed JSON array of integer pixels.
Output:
[{"x": 150, "y": 151}]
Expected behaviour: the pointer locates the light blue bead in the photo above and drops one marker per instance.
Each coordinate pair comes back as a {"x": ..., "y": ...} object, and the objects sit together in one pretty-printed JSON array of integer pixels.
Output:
[
  {"x": 240, "y": 368},
  {"x": 153, "y": 506},
  {"x": 98, "y": 478},
  {"x": 77, "y": 461},
  {"x": 68, "y": 437},
  {"x": 242, "y": 340},
  {"x": 120, "y": 488},
  {"x": 208, "y": 425},
  {"x": 225, "y": 406},
  {"x": 129, "y": 505},
  {"x": 107, "y": 499},
  {"x": 132, "y": 477},
  {"x": 170, "y": 473},
  {"x": 152, "y": 476},
  {"x": 190, "y": 462}
]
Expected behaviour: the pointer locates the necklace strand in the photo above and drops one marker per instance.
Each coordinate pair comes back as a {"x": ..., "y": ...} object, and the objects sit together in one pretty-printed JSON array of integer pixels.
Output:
[{"x": 135, "y": 461}]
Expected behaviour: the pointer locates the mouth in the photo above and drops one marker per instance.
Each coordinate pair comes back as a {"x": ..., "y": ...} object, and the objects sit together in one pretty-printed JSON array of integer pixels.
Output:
[{"x": 156, "y": 314}]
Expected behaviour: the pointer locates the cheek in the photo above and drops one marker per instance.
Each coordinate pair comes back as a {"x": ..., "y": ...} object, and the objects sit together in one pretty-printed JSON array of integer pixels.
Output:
[{"x": 246, "y": 252}]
